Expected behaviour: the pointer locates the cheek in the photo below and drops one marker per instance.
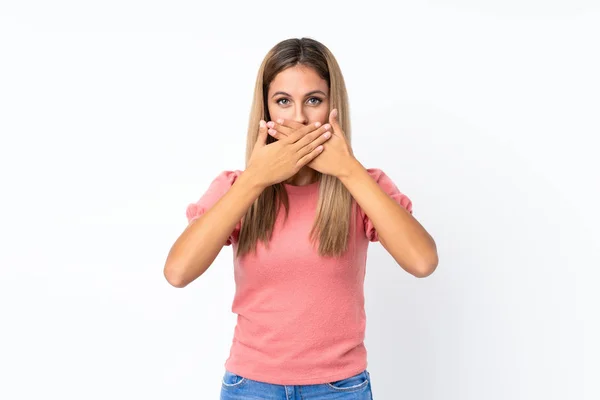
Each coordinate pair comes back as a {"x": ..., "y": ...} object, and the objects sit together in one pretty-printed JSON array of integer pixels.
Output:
[
  {"x": 323, "y": 112},
  {"x": 321, "y": 115},
  {"x": 276, "y": 113}
]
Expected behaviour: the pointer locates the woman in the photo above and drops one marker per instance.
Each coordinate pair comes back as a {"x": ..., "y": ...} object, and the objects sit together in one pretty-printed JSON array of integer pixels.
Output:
[{"x": 299, "y": 269}]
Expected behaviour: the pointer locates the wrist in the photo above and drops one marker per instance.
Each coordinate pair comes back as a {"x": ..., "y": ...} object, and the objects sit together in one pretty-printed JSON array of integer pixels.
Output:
[
  {"x": 251, "y": 180},
  {"x": 349, "y": 168}
]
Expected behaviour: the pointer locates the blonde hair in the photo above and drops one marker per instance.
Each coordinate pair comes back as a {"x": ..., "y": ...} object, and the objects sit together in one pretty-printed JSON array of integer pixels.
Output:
[{"x": 333, "y": 218}]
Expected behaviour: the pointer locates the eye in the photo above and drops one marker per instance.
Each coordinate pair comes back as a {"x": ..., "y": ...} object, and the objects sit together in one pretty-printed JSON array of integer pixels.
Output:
[{"x": 318, "y": 101}]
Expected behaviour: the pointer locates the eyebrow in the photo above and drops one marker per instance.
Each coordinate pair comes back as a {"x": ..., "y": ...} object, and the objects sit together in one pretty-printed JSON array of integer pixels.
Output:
[{"x": 306, "y": 95}]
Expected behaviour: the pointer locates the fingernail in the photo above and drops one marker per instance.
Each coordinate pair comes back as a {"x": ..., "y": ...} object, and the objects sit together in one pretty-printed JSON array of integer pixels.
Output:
[
  {"x": 334, "y": 113},
  {"x": 280, "y": 121},
  {"x": 326, "y": 126},
  {"x": 317, "y": 124},
  {"x": 270, "y": 124},
  {"x": 272, "y": 131},
  {"x": 261, "y": 123}
]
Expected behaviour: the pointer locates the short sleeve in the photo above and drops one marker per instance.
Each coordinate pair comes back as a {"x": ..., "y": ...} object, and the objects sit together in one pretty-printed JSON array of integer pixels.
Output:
[
  {"x": 217, "y": 188},
  {"x": 390, "y": 188}
]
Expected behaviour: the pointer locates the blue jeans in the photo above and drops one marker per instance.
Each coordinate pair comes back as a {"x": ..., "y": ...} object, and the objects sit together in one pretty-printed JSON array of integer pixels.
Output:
[{"x": 357, "y": 387}]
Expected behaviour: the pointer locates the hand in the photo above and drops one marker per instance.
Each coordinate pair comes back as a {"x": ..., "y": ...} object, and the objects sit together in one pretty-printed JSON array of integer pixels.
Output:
[
  {"x": 336, "y": 154},
  {"x": 275, "y": 162}
]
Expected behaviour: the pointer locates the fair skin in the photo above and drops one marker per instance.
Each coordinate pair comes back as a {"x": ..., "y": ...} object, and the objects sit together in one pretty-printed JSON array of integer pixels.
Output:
[
  {"x": 301, "y": 149},
  {"x": 399, "y": 232},
  {"x": 299, "y": 94}
]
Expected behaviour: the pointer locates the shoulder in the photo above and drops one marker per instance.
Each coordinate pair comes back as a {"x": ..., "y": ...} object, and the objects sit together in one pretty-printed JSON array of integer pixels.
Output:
[
  {"x": 223, "y": 181},
  {"x": 389, "y": 186},
  {"x": 376, "y": 173},
  {"x": 227, "y": 177},
  {"x": 382, "y": 179},
  {"x": 219, "y": 185}
]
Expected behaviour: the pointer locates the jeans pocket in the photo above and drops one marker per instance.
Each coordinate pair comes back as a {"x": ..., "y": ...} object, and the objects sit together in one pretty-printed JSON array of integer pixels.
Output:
[
  {"x": 231, "y": 380},
  {"x": 351, "y": 384}
]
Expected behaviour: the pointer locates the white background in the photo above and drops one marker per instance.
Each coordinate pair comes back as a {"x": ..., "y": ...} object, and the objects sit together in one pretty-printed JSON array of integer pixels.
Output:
[{"x": 115, "y": 115}]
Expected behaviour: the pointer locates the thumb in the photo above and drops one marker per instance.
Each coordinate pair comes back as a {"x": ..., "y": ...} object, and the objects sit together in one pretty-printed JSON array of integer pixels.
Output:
[
  {"x": 261, "y": 140},
  {"x": 333, "y": 120}
]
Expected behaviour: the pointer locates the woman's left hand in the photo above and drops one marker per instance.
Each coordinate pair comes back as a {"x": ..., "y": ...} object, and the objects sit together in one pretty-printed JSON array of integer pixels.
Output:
[{"x": 336, "y": 156}]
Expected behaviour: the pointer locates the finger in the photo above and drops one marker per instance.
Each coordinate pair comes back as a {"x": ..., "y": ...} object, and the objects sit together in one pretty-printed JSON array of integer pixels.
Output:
[
  {"x": 290, "y": 123},
  {"x": 300, "y": 133},
  {"x": 334, "y": 121},
  {"x": 281, "y": 127},
  {"x": 320, "y": 140},
  {"x": 261, "y": 139},
  {"x": 312, "y": 136},
  {"x": 275, "y": 134},
  {"x": 310, "y": 156}
]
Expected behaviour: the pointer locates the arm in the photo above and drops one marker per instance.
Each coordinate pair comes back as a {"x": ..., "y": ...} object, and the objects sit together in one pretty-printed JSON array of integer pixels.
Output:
[
  {"x": 399, "y": 232},
  {"x": 202, "y": 240}
]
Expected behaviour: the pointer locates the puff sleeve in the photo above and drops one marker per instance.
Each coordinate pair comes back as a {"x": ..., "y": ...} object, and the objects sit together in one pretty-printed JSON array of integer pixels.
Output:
[
  {"x": 390, "y": 188},
  {"x": 217, "y": 188}
]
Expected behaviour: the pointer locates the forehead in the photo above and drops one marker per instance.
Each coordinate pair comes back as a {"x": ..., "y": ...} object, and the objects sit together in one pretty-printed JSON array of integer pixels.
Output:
[{"x": 298, "y": 80}]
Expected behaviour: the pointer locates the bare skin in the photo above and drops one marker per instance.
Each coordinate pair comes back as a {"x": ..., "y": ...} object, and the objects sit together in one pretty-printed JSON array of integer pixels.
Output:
[{"x": 300, "y": 103}]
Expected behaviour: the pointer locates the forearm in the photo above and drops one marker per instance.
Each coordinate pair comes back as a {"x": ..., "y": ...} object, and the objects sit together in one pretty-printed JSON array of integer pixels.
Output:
[
  {"x": 399, "y": 232},
  {"x": 202, "y": 240}
]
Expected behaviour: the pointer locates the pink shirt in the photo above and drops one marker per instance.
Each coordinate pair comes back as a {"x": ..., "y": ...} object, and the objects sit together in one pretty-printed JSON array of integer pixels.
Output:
[{"x": 300, "y": 317}]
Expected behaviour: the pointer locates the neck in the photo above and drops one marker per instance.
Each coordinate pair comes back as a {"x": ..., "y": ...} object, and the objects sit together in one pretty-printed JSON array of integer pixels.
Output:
[{"x": 305, "y": 176}]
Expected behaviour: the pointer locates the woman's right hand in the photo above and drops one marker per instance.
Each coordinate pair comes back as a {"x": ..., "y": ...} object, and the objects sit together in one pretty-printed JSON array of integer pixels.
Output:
[{"x": 275, "y": 162}]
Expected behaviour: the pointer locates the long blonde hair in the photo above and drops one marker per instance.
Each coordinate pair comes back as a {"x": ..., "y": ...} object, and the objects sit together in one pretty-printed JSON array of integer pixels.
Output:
[{"x": 333, "y": 218}]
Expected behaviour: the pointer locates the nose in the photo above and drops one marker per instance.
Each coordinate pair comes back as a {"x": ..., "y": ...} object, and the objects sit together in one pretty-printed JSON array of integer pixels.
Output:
[{"x": 300, "y": 116}]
